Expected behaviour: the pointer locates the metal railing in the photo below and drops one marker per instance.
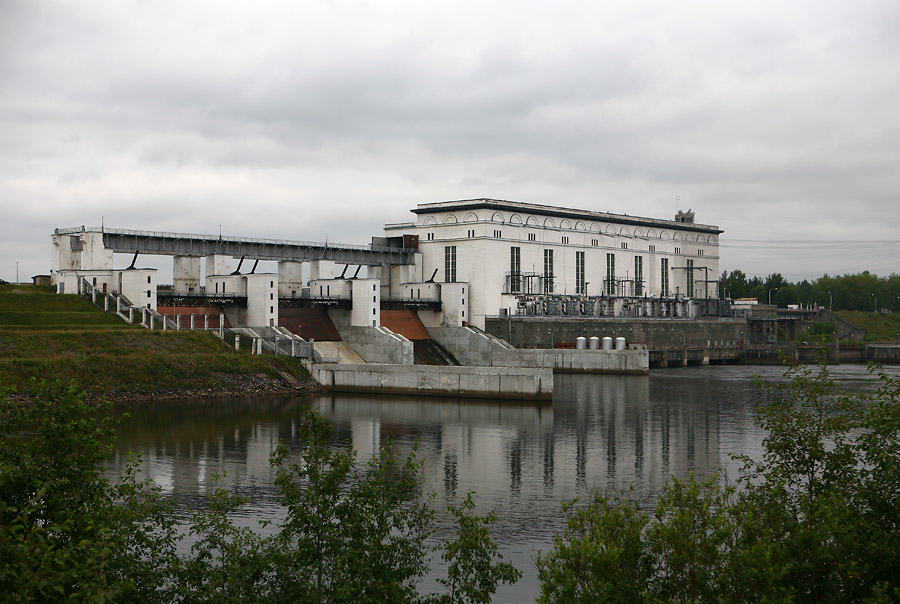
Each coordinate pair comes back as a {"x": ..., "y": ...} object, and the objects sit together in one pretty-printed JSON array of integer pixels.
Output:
[{"x": 223, "y": 238}]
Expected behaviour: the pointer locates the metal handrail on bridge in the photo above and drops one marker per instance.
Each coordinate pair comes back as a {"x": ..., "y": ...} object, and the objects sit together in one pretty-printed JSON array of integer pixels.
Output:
[{"x": 223, "y": 238}]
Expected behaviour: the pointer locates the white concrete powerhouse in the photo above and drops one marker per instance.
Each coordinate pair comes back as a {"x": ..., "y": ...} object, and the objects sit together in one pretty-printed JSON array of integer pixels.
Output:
[{"x": 511, "y": 253}]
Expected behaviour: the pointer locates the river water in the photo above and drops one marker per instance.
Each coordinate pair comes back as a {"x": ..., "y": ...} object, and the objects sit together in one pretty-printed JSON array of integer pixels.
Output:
[{"x": 521, "y": 459}]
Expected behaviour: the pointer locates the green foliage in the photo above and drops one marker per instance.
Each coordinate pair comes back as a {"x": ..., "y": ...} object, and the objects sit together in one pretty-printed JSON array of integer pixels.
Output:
[
  {"x": 474, "y": 568},
  {"x": 65, "y": 532},
  {"x": 348, "y": 536},
  {"x": 813, "y": 520},
  {"x": 353, "y": 533},
  {"x": 821, "y": 328},
  {"x": 600, "y": 557},
  {"x": 848, "y": 292}
]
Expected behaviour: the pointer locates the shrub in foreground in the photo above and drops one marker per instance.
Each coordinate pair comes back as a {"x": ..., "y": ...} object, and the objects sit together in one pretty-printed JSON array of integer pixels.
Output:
[
  {"x": 816, "y": 519},
  {"x": 352, "y": 534}
]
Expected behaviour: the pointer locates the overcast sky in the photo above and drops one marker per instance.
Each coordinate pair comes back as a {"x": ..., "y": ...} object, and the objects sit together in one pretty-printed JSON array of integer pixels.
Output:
[{"x": 776, "y": 121}]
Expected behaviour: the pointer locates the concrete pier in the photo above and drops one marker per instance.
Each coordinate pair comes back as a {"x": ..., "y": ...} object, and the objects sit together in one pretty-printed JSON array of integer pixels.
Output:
[
  {"x": 419, "y": 380},
  {"x": 475, "y": 348}
]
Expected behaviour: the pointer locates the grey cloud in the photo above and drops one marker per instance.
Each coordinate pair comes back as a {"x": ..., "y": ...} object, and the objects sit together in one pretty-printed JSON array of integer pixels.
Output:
[{"x": 155, "y": 112}]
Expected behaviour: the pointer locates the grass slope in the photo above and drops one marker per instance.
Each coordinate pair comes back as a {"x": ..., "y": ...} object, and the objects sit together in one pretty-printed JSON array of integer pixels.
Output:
[
  {"x": 44, "y": 336},
  {"x": 879, "y": 327}
]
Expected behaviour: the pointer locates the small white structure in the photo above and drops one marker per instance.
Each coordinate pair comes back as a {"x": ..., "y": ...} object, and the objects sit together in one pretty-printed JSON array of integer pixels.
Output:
[
  {"x": 137, "y": 285},
  {"x": 261, "y": 292}
]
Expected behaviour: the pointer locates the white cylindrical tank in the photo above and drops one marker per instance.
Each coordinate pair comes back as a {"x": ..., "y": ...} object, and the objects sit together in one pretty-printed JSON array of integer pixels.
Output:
[
  {"x": 580, "y": 342},
  {"x": 620, "y": 343},
  {"x": 594, "y": 343},
  {"x": 607, "y": 343}
]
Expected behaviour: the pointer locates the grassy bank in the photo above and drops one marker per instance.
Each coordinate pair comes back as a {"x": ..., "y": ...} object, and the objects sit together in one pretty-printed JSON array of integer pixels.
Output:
[
  {"x": 879, "y": 327},
  {"x": 44, "y": 336}
]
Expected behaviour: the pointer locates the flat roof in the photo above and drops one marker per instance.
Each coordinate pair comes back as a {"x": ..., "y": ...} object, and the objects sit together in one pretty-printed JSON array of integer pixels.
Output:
[{"x": 559, "y": 212}]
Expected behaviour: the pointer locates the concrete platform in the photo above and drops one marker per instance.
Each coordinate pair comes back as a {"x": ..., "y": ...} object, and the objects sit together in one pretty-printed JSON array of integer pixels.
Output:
[{"x": 479, "y": 382}]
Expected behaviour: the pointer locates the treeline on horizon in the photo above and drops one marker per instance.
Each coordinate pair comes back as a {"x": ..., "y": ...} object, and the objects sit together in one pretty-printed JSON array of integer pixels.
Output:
[{"x": 860, "y": 292}]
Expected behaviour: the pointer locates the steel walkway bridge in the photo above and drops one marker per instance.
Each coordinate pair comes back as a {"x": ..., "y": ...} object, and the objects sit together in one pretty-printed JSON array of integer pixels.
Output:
[{"x": 189, "y": 244}]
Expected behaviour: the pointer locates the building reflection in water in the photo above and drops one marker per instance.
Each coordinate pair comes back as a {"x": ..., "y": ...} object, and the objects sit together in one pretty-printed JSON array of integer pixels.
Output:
[
  {"x": 522, "y": 459},
  {"x": 601, "y": 434}
]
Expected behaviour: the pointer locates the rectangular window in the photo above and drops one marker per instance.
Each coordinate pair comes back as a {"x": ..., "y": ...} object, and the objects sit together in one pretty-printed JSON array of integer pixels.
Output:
[
  {"x": 624, "y": 245},
  {"x": 271, "y": 310},
  {"x": 548, "y": 271},
  {"x": 532, "y": 237},
  {"x": 515, "y": 270},
  {"x": 638, "y": 276},
  {"x": 610, "y": 275},
  {"x": 595, "y": 242},
  {"x": 148, "y": 278},
  {"x": 579, "y": 273},
  {"x": 652, "y": 248},
  {"x": 690, "y": 278},
  {"x": 450, "y": 264},
  {"x": 664, "y": 277},
  {"x": 677, "y": 250},
  {"x": 497, "y": 234},
  {"x": 565, "y": 239}
]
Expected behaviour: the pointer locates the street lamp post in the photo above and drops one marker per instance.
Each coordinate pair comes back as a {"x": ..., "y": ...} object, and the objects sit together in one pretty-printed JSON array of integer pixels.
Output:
[
  {"x": 876, "y": 302},
  {"x": 770, "y": 295},
  {"x": 830, "y": 299}
]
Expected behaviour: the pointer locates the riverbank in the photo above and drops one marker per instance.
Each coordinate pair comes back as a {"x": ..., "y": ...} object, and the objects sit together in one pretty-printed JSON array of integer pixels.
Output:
[{"x": 47, "y": 337}]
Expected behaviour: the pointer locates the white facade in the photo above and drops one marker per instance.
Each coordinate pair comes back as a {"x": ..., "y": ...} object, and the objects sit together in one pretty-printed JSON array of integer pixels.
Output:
[
  {"x": 507, "y": 251},
  {"x": 83, "y": 251},
  {"x": 366, "y": 309},
  {"x": 138, "y": 285},
  {"x": 261, "y": 291}
]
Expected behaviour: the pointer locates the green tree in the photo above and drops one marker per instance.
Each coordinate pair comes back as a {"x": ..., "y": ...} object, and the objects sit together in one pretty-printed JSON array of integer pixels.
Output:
[
  {"x": 474, "y": 568},
  {"x": 348, "y": 536},
  {"x": 353, "y": 533},
  {"x": 600, "y": 557},
  {"x": 66, "y": 533},
  {"x": 813, "y": 520}
]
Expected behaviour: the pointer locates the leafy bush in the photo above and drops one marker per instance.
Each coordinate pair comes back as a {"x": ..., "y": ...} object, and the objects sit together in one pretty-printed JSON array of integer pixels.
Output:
[
  {"x": 352, "y": 534},
  {"x": 814, "y": 520}
]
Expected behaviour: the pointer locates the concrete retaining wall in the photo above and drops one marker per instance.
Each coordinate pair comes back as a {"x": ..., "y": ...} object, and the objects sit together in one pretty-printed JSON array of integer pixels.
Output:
[
  {"x": 381, "y": 345},
  {"x": 655, "y": 334},
  {"x": 473, "y": 348},
  {"x": 497, "y": 382},
  {"x": 467, "y": 346}
]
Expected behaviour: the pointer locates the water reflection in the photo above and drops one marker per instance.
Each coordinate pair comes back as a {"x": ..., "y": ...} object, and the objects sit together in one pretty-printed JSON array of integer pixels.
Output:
[{"x": 601, "y": 433}]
